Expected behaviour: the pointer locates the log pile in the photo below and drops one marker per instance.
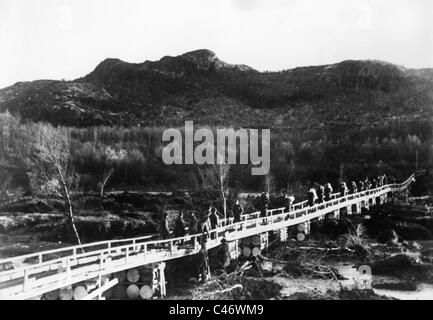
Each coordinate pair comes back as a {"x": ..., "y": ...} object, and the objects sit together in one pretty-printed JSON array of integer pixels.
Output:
[
  {"x": 76, "y": 292},
  {"x": 253, "y": 246},
  {"x": 302, "y": 231},
  {"x": 137, "y": 283}
]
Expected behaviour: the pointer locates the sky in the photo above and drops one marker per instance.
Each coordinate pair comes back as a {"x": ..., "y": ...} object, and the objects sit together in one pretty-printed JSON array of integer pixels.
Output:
[{"x": 66, "y": 39}]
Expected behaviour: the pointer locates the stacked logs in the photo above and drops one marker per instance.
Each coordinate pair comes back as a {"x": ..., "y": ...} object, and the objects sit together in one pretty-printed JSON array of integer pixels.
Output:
[
  {"x": 303, "y": 229},
  {"x": 75, "y": 292},
  {"x": 137, "y": 283},
  {"x": 252, "y": 246}
]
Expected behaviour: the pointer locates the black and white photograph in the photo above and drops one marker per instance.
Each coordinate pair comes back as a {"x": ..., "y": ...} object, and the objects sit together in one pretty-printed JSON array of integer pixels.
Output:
[{"x": 230, "y": 152}]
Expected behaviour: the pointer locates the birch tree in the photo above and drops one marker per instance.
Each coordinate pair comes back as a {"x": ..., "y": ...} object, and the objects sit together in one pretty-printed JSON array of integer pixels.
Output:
[
  {"x": 223, "y": 175},
  {"x": 112, "y": 158},
  {"x": 269, "y": 184},
  {"x": 214, "y": 179},
  {"x": 50, "y": 168}
]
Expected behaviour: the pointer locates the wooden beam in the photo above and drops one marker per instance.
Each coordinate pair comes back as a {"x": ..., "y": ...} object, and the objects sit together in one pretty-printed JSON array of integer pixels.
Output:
[{"x": 102, "y": 289}]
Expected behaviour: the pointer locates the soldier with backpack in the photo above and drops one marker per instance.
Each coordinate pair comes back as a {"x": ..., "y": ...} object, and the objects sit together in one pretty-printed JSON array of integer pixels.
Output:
[{"x": 328, "y": 192}]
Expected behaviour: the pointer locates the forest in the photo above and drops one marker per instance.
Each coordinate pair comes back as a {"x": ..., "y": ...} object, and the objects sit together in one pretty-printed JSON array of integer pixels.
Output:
[{"x": 131, "y": 156}]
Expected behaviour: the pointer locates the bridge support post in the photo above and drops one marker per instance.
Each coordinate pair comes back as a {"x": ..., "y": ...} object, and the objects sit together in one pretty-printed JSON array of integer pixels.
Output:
[
  {"x": 356, "y": 208},
  {"x": 349, "y": 210},
  {"x": 307, "y": 227},
  {"x": 379, "y": 200},
  {"x": 26, "y": 280},
  {"x": 161, "y": 279},
  {"x": 365, "y": 205},
  {"x": 337, "y": 214},
  {"x": 281, "y": 234},
  {"x": 234, "y": 250},
  {"x": 264, "y": 240}
]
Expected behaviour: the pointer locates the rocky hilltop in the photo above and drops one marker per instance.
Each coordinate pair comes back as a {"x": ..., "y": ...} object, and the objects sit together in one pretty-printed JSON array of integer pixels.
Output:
[{"x": 198, "y": 85}]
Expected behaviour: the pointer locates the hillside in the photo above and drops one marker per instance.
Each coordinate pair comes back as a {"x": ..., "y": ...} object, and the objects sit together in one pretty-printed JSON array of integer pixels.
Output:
[{"x": 199, "y": 86}]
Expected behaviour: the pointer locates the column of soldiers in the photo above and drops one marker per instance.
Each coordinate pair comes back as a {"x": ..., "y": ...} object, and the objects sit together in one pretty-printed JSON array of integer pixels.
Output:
[
  {"x": 211, "y": 219},
  {"x": 319, "y": 193}
]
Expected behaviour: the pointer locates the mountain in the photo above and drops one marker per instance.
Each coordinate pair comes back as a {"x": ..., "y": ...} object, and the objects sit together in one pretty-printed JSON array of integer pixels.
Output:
[{"x": 198, "y": 86}]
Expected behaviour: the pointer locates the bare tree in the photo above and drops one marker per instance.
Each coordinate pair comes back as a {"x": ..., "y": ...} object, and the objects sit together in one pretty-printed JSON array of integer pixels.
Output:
[
  {"x": 50, "y": 168},
  {"x": 214, "y": 179},
  {"x": 269, "y": 183},
  {"x": 342, "y": 172},
  {"x": 112, "y": 159},
  {"x": 223, "y": 175}
]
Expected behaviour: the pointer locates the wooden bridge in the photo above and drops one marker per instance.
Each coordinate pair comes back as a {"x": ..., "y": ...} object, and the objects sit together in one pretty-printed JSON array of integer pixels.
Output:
[{"x": 34, "y": 274}]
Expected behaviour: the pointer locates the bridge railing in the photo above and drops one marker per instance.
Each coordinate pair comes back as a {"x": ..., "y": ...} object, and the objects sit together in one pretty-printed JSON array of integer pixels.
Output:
[
  {"x": 304, "y": 204},
  {"x": 38, "y": 257},
  {"x": 109, "y": 250},
  {"x": 282, "y": 214},
  {"x": 73, "y": 256}
]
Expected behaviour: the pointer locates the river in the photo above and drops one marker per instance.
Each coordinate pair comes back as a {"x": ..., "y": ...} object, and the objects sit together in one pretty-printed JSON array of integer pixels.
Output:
[{"x": 321, "y": 288}]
